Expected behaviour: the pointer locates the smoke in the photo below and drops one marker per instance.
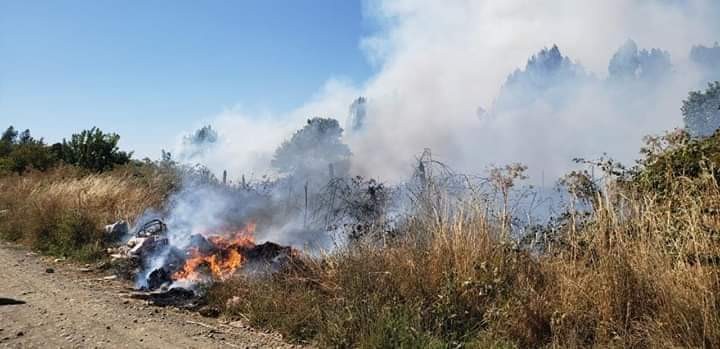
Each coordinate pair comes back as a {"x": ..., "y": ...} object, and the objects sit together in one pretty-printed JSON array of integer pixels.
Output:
[
  {"x": 203, "y": 207},
  {"x": 247, "y": 141},
  {"x": 195, "y": 145},
  {"x": 477, "y": 82},
  {"x": 441, "y": 62},
  {"x": 442, "y": 83}
]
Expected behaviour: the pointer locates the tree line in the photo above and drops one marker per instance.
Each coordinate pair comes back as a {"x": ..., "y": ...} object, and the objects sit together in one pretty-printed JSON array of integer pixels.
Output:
[
  {"x": 311, "y": 150},
  {"x": 91, "y": 149}
]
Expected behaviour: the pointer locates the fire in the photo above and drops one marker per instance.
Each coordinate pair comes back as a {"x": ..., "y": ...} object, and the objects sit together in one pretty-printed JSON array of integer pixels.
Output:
[{"x": 223, "y": 258}]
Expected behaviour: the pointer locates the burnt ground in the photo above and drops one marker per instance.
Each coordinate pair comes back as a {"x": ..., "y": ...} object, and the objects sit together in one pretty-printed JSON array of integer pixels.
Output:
[{"x": 72, "y": 307}]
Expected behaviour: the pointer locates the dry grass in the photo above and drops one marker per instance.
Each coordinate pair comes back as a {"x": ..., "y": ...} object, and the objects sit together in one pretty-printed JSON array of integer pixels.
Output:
[
  {"x": 63, "y": 211},
  {"x": 641, "y": 273}
]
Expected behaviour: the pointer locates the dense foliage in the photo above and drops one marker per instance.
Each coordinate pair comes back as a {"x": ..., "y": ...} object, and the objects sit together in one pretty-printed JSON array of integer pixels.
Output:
[
  {"x": 701, "y": 111},
  {"x": 630, "y": 62},
  {"x": 20, "y": 151},
  {"x": 91, "y": 149},
  {"x": 312, "y": 149},
  {"x": 676, "y": 155}
]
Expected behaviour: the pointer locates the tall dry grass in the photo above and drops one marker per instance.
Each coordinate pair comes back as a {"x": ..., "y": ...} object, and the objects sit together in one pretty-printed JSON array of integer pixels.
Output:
[
  {"x": 640, "y": 273},
  {"x": 63, "y": 211}
]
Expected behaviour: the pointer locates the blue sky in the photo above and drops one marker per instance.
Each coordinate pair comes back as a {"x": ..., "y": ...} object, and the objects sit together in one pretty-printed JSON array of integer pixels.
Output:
[{"x": 150, "y": 70}]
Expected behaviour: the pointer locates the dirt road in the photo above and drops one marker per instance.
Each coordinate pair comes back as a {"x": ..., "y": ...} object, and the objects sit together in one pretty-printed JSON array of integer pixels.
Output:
[{"x": 74, "y": 308}]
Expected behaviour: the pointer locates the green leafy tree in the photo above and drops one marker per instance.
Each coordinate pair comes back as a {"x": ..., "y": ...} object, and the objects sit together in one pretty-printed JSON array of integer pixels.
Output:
[
  {"x": 701, "y": 111},
  {"x": 10, "y": 135},
  {"x": 199, "y": 142},
  {"x": 93, "y": 149},
  {"x": 28, "y": 156},
  {"x": 7, "y": 140},
  {"x": 20, "y": 152},
  {"x": 312, "y": 149}
]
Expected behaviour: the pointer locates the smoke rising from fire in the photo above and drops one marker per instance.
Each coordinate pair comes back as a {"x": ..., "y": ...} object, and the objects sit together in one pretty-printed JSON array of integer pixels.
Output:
[
  {"x": 477, "y": 82},
  {"x": 441, "y": 66},
  {"x": 229, "y": 216}
]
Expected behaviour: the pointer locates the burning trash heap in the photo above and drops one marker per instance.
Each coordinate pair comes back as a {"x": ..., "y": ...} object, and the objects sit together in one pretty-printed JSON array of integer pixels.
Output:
[
  {"x": 168, "y": 274},
  {"x": 205, "y": 230}
]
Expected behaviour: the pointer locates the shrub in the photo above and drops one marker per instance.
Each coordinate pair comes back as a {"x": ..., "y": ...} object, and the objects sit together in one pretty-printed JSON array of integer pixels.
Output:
[
  {"x": 20, "y": 152},
  {"x": 92, "y": 149},
  {"x": 701, "y": 111},
  {"x": 674, "y": 156}
]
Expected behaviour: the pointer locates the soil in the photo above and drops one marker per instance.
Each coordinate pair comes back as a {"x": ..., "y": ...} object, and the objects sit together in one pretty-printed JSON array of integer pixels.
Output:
[{"x": 45, "y": 303}]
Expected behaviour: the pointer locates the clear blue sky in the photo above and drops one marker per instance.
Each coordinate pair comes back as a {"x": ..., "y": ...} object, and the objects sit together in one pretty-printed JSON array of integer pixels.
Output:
[{"x": 151, "y": 69}]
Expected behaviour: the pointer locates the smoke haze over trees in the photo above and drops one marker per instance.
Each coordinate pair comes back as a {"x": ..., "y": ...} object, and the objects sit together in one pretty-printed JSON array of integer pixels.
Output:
[
  {"x": 357, "y": 115},
  {"x": 313, "y": 149},
  {"x": 701, "y": 111},
  {"x": 497, "y": 81},
  {"x": 708, "y": 60},
  {"x": 548, "y": 76},
  {"x": 629, "y": 63}
]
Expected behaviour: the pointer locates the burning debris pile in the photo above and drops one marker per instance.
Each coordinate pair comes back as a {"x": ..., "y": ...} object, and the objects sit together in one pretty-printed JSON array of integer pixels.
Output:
[
  {"x": 171, "y": 274},
  {"x": 208, "y": 228}
]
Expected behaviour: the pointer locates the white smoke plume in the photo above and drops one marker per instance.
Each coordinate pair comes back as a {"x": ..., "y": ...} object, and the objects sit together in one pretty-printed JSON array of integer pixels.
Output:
[
  {"x": 441, "y": 65},
  {"x": 479, "y": 83},
  {"x": 246, "y": 141}
]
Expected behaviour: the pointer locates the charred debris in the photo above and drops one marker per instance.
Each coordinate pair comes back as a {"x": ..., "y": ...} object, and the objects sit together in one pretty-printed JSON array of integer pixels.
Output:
[{"x": 166, "y": 275}]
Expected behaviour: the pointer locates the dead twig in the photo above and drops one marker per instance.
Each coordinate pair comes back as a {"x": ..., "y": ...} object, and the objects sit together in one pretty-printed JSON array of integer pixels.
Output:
[{"x": 203, "y": 325}]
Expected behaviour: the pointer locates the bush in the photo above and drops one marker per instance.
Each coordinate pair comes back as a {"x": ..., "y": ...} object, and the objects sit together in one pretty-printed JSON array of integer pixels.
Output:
[
  {"x": 674, "y": 156},
  {"x": 27, "y": 156},
  {"x": 92, "y": 149},
  {"x": 20, "y": 152},
  {"x": 701, "y": 111}
]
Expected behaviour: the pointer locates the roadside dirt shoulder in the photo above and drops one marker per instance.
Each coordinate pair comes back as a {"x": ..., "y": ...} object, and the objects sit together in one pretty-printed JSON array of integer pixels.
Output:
[{"x": 67, "y": 307}]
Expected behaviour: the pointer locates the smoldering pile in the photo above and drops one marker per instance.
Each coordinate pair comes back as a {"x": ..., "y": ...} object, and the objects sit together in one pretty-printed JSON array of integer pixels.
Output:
[{"x": 166, "y": 274}]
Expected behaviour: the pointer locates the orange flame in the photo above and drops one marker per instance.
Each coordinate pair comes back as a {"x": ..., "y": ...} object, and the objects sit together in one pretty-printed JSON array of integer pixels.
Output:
[{"x": 223, "y": 259}]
